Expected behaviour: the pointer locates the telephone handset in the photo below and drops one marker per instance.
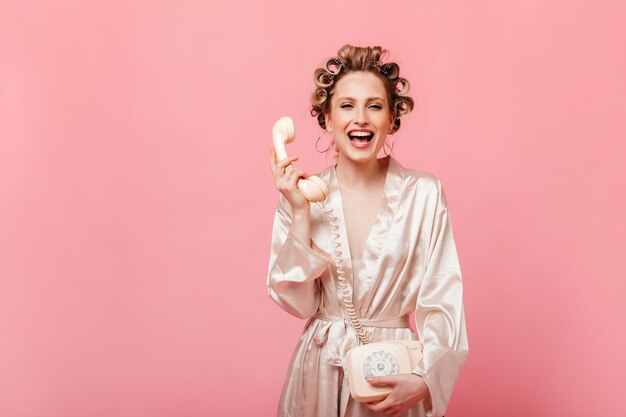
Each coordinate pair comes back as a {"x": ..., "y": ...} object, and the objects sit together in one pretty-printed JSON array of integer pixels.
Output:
[
  {"x": 372, "y": 359},
  {"x": 312, "y": 188}
]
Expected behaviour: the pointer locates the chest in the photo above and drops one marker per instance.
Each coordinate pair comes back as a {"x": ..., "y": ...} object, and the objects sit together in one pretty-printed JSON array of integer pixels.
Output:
[{"x": 360, "y": 213}]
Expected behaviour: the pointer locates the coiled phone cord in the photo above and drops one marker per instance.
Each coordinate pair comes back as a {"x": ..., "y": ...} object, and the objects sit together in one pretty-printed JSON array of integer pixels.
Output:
[{"x": 342, "y": 281}]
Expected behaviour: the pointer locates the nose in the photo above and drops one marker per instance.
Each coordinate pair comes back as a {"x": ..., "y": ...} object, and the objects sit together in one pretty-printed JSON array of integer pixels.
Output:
[{"x": 361, "y": 117}]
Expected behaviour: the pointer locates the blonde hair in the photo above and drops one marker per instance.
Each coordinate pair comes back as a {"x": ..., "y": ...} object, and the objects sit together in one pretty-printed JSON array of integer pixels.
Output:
[{"x": 354, "y": 58}]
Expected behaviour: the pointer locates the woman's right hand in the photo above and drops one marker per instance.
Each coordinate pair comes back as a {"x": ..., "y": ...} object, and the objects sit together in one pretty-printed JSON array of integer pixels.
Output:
[{"x": 286, "y": 180}]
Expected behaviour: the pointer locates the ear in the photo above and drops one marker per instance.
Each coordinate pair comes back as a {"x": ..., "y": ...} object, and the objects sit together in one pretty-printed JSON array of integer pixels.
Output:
[
  {"x": 329, "y": 125},
  {"x": 391, "y": 121}
]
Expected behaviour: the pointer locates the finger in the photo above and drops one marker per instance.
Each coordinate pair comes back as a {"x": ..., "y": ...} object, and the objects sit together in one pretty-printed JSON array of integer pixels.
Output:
[
  {"x": 282, "y": 164},
  {"x": 291, "y": 175},
  {"x": 392, "y": 411},
  {"x": 383, "y": 380},
  {"x": 272, "y": 158},
  {"x": 283, "y": 171},
  {"x": 382, "y": 406},
  {"x": 398, "y": 413},
  {"x": 373, "y": 406},
  {"x": 290, "y": 179},
  {"x": 295, "y": 174}
]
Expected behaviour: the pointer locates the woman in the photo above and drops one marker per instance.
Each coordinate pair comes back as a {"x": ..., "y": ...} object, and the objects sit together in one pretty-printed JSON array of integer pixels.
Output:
[{"x": 396, "y": 243}]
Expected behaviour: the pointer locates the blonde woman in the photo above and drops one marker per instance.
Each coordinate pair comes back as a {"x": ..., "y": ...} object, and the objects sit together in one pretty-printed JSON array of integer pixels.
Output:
[{"x": 397, "y": 246}]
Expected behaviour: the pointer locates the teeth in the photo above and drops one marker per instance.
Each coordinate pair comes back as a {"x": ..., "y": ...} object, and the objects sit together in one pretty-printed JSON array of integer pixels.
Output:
[{"x": 362, "y": 134}]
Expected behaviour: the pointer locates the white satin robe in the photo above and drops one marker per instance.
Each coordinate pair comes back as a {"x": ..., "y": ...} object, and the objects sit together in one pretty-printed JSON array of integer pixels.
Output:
[{"x": 409, "y": 264}]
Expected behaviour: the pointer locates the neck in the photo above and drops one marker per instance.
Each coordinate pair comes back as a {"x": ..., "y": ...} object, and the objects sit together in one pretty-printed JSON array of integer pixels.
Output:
[{"x": 361, "y": 174}]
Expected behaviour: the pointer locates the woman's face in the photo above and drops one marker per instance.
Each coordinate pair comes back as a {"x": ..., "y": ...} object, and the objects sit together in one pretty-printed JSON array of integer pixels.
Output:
[{"x": 359, "y": 116}]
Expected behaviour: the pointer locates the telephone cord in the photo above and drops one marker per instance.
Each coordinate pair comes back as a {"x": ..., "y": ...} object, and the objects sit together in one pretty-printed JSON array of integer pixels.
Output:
[{"x": 342, "y": 281}]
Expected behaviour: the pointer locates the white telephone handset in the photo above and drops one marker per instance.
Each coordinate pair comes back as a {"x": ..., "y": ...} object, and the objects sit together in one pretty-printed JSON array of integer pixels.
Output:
[
  {"x": 312, "y": 188},
  {"x": 372, "y": 359}
]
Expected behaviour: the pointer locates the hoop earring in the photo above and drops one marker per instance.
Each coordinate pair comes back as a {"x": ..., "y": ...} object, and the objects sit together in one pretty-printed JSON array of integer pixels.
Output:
[
  {"x": 393, "y": 143},
  {"x": 317, "y": 143}
]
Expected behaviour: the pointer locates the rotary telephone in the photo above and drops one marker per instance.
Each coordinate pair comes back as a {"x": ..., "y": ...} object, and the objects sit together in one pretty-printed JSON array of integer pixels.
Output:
[{"x": 390, "y": 357}]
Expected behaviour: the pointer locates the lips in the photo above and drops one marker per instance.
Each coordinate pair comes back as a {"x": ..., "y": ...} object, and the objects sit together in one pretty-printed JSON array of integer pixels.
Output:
[
  {"x": 360, "y": 138},
  {"x": 360, "y": 135}
]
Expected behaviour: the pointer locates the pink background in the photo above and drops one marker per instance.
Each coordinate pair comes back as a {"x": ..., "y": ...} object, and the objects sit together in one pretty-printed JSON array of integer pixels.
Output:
[{"x": 136, "y": 199}]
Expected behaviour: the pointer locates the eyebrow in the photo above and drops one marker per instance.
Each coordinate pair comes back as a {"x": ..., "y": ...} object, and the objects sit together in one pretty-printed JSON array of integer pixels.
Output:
[{"x": 352, "y": 98}]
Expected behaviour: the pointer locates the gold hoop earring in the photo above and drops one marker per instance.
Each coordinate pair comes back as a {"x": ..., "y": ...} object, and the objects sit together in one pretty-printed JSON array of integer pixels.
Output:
[
  {"x": 317, "y": 144},
  {"x": 393, "y": 143}
]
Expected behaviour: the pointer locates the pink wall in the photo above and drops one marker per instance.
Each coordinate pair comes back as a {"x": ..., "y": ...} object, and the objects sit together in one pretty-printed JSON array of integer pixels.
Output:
[{"x": 136, "y": 199}]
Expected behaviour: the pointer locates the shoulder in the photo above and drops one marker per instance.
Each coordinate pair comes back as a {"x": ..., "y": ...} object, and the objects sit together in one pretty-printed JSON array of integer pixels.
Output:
[
  {"x": 420, "y": 185},
  {"x": 417, "y": 178}
]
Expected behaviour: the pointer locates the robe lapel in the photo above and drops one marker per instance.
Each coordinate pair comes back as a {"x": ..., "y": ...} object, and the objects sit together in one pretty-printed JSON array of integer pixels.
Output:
[
  {"x": 374, "y": 246},
  {"x": 375, "y": 249},
  {"x": 335, "y": 203}
]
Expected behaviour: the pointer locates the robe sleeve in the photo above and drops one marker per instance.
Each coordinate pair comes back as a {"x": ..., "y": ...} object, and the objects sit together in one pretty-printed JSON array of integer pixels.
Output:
[
  {"x": 439, "y": 314},
  {"x": 294, "y": 267}
]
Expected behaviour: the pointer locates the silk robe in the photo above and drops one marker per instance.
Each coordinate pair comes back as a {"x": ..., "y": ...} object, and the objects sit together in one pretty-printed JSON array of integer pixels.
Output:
[{"x": 409, "y": 264}]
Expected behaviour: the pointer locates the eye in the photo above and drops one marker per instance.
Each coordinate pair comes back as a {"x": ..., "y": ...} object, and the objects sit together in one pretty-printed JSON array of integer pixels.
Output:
[
  {"x": 376, "y": 106},
  {"x": 346, "y": 106}
]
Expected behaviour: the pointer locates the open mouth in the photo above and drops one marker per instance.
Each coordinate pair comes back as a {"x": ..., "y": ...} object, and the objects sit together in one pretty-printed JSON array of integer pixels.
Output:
[{"x": 361, "y": 137}]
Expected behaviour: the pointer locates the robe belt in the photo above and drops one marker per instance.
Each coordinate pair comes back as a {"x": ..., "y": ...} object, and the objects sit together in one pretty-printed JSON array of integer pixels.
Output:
[{"x": 343, "y": 336}]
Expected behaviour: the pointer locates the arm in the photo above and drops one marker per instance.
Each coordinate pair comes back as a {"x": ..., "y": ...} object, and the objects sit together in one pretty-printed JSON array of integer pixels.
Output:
[
  {"x": 440, "y": 324},
  {"x": 439, "y": 314},
  {"x": 294, "y": 264}
]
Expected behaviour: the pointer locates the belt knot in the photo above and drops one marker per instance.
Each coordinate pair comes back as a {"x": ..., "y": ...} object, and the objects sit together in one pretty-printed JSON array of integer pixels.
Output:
[{"x": 338, "y": 336}]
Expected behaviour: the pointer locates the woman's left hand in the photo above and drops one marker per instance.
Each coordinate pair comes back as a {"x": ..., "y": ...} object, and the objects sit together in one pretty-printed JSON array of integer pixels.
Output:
[{"x": 407, "y": 390}]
